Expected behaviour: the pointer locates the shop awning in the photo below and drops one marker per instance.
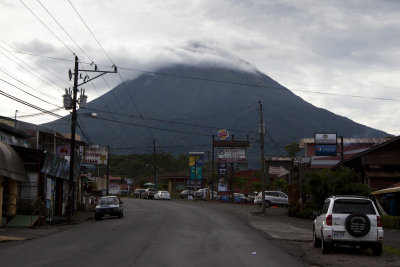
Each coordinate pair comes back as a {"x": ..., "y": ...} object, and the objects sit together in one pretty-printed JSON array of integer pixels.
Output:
[
  {"x": 386, "y": 190},
  {"x": 11, "y": 165}
]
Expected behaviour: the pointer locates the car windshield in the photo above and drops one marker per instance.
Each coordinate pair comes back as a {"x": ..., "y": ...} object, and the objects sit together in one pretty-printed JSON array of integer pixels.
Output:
[
  {"x": 351, "y": 206},
  {"x": 108, "y": 201}
]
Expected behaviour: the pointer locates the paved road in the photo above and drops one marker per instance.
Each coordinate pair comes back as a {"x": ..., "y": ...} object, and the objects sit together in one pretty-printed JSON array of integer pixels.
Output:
[{"x": 153, "y": 233}]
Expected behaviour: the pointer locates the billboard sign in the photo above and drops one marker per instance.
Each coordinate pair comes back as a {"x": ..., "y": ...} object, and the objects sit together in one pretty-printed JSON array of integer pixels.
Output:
[
  {"x": 325, "y": 139},
  {"x": 325, "y": 150},
  {"x": 222, "y": 169},
  {"x": 95, "y": 155},
  {"x": 231, "y": 155},
  {"x": 222, "y": 134},
  {"x": 196, "y": 164}
]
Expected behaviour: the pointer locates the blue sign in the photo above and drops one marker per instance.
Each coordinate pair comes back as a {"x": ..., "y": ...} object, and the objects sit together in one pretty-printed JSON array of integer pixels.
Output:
[{"x": 325, "y": 150}]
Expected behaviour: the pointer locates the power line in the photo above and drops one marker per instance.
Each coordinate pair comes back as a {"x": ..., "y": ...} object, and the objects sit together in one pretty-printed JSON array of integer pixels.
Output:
[
  {"x": 44, "y": 24},
  {"x": 111, "y": 61},
  {"x": 226, "y": 82},
  {"x": 168, "y": 121},
  {"x": 31, "y": 105},
  {"x": 48, "y": 12},
  {"x": 49, "y": 71},
  {"x": 27, "y": 92}
]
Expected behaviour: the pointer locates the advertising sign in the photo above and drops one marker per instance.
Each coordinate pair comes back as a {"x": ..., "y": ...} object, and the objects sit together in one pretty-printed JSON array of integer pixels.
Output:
[
  {"x": 231, "y": 155},
  {"x": 95, "y": 155},
  {"x": 193, "y": 184},
  {"x": 325, "y": 139},
  {"x": 325, "y": 150},
  {"x": 222, "y": 169},
  {"x": 222, "y": 134},
  {"x": 196, "y": 163},
  {"x": 63, "y": 151}
]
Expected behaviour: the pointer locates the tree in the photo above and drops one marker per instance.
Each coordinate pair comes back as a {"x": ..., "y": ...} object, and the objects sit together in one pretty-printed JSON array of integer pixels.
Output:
[
  {"x": 342, "y": 181},
  {"x": 292, "y": 149}
]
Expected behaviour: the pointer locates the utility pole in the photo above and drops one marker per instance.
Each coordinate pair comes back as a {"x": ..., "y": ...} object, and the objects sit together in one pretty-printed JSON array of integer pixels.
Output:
[
  {"x": 212, "y": 168},
  {"x": 108, "y": 171},
  {"x": 15, "y": 120},
  {"x": 262, "y": 157},
  {"x": 71, "y": 104},
  {"x": 72, "y": 149},
  {"x": 155, "y": 164}
]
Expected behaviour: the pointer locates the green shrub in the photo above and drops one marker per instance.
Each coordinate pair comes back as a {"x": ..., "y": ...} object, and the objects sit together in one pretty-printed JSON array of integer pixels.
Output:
[{"x": 392, "y": 222}]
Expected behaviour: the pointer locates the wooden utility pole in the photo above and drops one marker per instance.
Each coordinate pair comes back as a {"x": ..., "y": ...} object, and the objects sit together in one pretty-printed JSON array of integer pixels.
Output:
[{"x": 262, "y": 161}]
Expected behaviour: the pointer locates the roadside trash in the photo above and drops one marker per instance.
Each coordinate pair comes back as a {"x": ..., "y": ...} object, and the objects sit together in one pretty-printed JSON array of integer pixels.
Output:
[{"x": 254, "y": 253}]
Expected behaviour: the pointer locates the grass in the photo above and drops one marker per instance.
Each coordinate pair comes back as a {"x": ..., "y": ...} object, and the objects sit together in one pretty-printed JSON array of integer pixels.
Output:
[{"x": 391, "y": 250}]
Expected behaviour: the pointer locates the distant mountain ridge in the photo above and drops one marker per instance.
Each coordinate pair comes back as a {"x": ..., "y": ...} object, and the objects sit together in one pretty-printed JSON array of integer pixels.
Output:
[{"x": 215, "y": 97}]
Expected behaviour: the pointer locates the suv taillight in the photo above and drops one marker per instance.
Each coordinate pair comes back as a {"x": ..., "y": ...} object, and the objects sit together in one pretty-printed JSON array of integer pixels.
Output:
[
  {"x": 378, "y": 221},
  {"x": 329, "y": 220}
]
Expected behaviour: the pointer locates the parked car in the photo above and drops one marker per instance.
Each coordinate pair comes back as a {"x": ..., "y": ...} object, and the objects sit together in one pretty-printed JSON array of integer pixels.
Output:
[
  {"x": 109, "y": 205},
  {"x": 348, "y": 220},
  {"x": 252, "y": 196},
  {"x": 239, "y": 197},
  {"x": 204, "y": 191},
  {"x": 273, "y": 198},
  {"x": 186, "y": 193},
  {"x": 162, "y": 195},
  {"x": 138, "y": 192},
  {"x": 149, "y": 193}
]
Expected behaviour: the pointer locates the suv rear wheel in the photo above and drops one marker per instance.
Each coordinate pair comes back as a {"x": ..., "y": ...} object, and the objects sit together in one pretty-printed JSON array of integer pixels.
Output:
[
  {"x": 316, "y": 240},
  {"x": 267, "y": 204},
  {"x": 377, "y": 249},
  {"x": 325, "y": 246}
]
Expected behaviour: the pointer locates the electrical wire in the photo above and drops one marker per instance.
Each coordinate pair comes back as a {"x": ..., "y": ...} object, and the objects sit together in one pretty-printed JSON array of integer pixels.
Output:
[{"x": 223, "y": 81}]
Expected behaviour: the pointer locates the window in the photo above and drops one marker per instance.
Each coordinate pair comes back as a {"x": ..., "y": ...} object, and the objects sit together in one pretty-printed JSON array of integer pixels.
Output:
[
  {"x": 325, "y": 207},
  {"x": 347, "y": 206}
]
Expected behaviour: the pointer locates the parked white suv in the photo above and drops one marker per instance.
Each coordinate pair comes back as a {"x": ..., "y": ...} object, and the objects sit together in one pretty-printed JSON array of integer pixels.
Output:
[
  {"x": 272, "y": 198},
  {"x": 348, "y": 220}
]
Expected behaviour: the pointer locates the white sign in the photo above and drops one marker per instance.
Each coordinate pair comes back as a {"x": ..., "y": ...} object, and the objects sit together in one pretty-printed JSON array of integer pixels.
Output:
[
  {"x": 222, "y": 187},
  {"x": 95, "y": 155},
  {"x": 231, "y": 154},
  {"x": 325, "y": 139},
  {"x": 278, "y": 171}
]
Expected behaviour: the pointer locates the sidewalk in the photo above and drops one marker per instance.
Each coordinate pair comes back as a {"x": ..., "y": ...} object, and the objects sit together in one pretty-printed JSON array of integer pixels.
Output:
[{"x": 26, "y": 233}]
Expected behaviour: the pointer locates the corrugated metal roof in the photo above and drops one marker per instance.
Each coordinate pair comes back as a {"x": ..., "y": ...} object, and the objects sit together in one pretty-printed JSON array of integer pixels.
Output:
[{"x": 307, "y": 140}]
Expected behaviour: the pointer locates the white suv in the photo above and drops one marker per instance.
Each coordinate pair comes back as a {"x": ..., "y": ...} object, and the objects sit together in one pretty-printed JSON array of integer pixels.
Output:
[
  {"x": 349, "y": 220},
  {"x": 272, "y": 198}
]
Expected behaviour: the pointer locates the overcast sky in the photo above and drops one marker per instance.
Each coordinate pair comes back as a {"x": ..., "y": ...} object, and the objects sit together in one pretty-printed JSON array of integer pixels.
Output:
[{"x": 324, "y": 51}]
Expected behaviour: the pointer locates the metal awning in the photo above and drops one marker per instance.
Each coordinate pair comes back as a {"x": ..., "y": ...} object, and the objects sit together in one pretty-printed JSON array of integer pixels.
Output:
[
  {"x": 386, "y": 191},
  {"x": 11, "y": 165}
]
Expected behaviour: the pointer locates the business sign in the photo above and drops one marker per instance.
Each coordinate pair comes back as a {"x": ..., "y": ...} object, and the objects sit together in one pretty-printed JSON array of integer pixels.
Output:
[
  {"x": 325, "y": 150},
  {"x": 278, "y": 171},
  {"x": 222, "y": 134},
  {"x": 95, "y": 155},
  {"x": 196, "y": 164},
  {"x": 63, "y": 151},
  {"x": 222, "y": 169},
  {"x": 231, "y": 155},
  {"x": 193, "y": 184},
  {"x": 325, "y": 139}
]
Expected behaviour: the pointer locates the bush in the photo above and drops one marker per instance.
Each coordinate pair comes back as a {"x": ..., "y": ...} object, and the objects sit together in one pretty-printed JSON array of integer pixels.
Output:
[
  {"x": 301, "y": 211},
  {"x": 392, "y": 222}
]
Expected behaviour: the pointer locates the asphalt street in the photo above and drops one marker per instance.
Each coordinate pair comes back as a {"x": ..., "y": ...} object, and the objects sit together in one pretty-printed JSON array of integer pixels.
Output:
[{"x": 154, "y": 233}]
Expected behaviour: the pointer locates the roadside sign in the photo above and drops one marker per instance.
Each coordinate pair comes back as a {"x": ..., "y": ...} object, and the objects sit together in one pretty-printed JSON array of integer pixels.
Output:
[
  {"x": 222, "y": 134},
  {"x": 231, "y": 155}
]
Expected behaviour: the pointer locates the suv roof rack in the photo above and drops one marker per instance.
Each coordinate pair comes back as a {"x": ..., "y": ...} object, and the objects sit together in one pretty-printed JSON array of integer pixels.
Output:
[{"x": 353, "y": 196}]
